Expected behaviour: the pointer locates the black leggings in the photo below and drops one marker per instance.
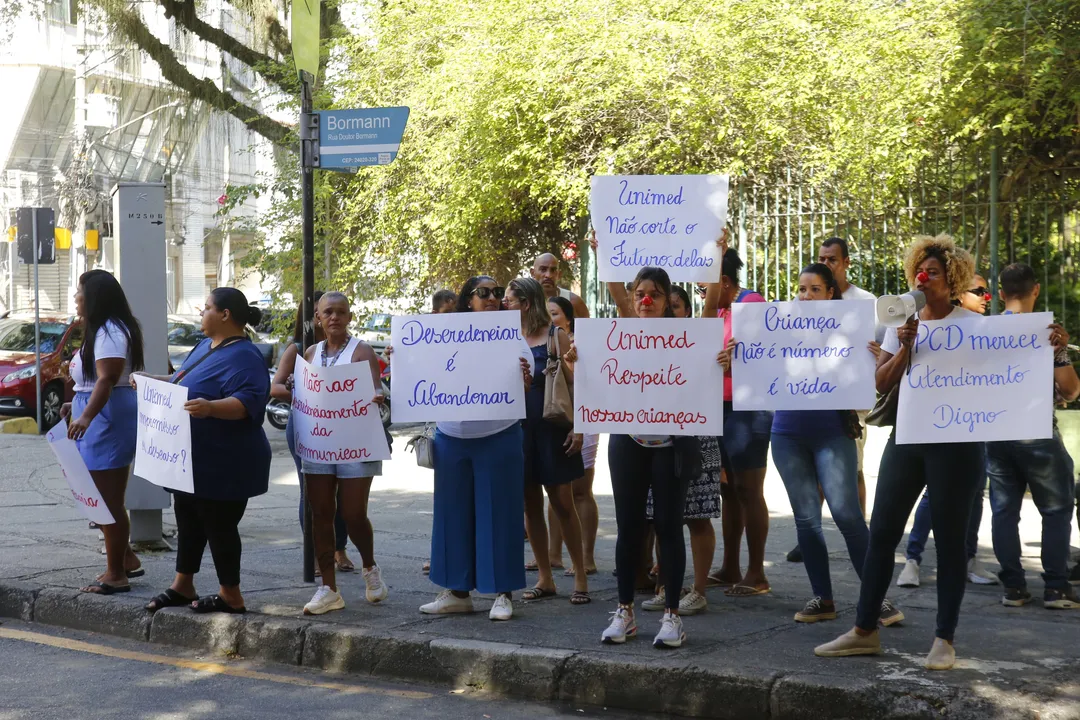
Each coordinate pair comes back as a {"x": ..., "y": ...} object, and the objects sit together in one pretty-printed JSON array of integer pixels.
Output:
[
  {"x": 634, "y": 470},
  {"x": 199, "y": 521},
  {"x": 953, "y": 474}
]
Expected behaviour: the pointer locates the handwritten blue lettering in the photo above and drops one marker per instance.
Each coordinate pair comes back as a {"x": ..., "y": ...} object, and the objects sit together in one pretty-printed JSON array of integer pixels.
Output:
[
  {"x": 156, "y": 397},
  {"x": 808, "y": 386},
  {"x": 926, "y": 377},
  {"x": 942, "y": 337},
  {"x": 774, "y": 321},
  {"x": 947, "y": 415},
  {"x": 159, "y": 454},
  {"x": 158, "y": 425},
  {"x": 647, "y": 196},
  {"x": 427, "y": 393},
  {"x": 1005, "y": 342},
  {"x": 415, "y": 333},
  {"x": 637, "y": 258}
]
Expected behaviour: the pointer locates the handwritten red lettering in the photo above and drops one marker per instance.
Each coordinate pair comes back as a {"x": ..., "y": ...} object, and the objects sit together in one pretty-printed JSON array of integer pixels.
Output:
[
  {"x": 312, "y": 381},
  {"x": 642, "y": 379},
  {"x": 651, "y": 416},
  {"x": 619, "y": 340},
  {"x": 320, "y": 431}
]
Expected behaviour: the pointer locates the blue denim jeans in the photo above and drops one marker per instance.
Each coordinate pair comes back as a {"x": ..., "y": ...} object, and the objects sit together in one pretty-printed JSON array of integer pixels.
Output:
[
  {"x": 920, "y": 528},
  {"x": 1044, "y": 467},
  {"x": 804, "y": 463}
]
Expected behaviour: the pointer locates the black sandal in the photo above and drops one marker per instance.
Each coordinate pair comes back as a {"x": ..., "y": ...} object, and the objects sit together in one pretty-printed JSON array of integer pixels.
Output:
[
  {"x": 100, "y": 588},
  {"x": 580, "y": 597},
  {"x": 214, "y": 603},
  {"x": 169, "y": 598}
]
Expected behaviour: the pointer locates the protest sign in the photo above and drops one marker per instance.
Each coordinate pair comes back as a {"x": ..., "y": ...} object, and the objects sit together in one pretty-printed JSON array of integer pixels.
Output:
[
  {"x": 979, "y": 379},
  {"x": 667, "y": 221},
  {"x": 334, "y": 416},
  {"x": 458, "y": 366},
  {"x": 652, "y": 377},
  {"x": 83, "y": 489},
  {"x": 809, "y": 355},
  {"x": 163, "y": 443}
]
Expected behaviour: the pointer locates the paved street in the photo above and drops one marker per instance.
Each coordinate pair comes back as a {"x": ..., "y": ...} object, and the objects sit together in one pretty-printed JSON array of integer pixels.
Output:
[
  {"x": 1009, "y": 658},
  {"x": 67, "y": 674}
]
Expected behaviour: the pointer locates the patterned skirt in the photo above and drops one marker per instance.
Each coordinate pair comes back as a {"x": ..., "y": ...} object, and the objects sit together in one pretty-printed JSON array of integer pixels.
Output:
[{"x": 703, "y": 494}]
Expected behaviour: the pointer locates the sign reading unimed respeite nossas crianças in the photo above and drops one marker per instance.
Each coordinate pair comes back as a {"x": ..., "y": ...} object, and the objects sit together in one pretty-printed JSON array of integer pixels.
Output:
[
  {"x": 648, "y": 377},
  {"x": 457, "y": 366},
  {"x": 163, "y": 438},
  {"x": 810, "y": 355},
  {"x": 979, "y": 379},
  {"x": 87, "y": 498},
  {"x": 334, "y": 416},
  {"x": 666, "y": 221}
]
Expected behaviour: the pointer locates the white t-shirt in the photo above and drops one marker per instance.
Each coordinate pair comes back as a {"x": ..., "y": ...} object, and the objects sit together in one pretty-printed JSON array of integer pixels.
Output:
[
  {"x": 891, "y": 343},
  {"x": 470, "y": 429},
  {"x": 854, "y": 292},
  {"x": 110, "y": 342}
]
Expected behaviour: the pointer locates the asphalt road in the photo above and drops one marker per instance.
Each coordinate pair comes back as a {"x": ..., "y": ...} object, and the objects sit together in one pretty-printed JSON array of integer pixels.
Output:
[{"x": 48, "y": 674}]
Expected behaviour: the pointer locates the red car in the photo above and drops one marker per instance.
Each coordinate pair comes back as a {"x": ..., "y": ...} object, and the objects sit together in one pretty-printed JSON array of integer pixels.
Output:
[{"x": 61, "y": 336}]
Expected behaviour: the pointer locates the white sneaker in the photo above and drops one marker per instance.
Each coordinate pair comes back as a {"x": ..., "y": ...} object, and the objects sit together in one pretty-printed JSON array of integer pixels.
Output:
[
  {"x": 622, "y": 627},
  {"x": 324, "y": 601},
  {"x": 909, "y": 576},
  {"x": 979, "y": 576},
  {"x": 503, "y": 609},
  {"x": 692, "y": 603},
  {"x": 447, "y": 602},
  {"x": 376, "y": 588},
  {"x": 657, "y": 602},
  {"x": 671, "y": 633}
]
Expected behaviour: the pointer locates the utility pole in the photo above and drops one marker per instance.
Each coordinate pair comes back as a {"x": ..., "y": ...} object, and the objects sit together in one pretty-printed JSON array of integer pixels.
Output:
[{"x": 308, "y": 149}]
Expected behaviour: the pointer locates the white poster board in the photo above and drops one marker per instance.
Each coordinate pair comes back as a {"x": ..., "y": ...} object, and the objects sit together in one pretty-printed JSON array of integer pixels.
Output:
[
  {"x": 979, "y": 379},
  {"x": 335, "y": 419},
  {"x": 163, "y": 443},
  {"x": 652, "y": 377},
  {"x": 83, "y": 489},
  {"x": 809, "y": 355},
  {"x": 457, "y": 366},
  {"x": 667, "y": 221}
]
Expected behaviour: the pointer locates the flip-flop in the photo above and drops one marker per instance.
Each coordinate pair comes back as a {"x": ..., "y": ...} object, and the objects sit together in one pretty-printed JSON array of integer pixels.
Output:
[
  {"x": 344, "y": 567},
  {"x": 746, "y": 591},
  {"x": 580, "y": 597},
  {"x": 426, "y": 568},
  {"x": 169, "y": 598},
  {"x": 214, "y": 603},
  {"x": 536, "y": 593},
  {"x": 136, "y": 573},
  {"x": 712, "y": 581},
  {"x": 570, "y": 572},
  {"x": 101, "y": 588}
]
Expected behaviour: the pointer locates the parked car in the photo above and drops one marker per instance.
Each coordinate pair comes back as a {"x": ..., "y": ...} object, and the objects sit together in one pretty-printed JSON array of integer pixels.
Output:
[
  {"x": 186, "y": 332},
  {"x": 61, "y": 336},
  {"x": 375, "y": 331}
]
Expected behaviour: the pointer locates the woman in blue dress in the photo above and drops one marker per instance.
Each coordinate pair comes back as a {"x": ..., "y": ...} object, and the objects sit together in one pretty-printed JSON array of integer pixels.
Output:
[
  {"x": 104, "y": 413},
  {"x": 228, "y": 387}
]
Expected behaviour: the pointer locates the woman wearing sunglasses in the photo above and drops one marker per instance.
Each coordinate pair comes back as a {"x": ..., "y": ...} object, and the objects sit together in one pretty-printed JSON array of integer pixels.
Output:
[{"x": 479, "y": 504}]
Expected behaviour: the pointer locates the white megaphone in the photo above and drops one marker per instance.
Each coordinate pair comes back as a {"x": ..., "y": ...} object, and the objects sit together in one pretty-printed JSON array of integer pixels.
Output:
[{"x": 894, "y": 310}]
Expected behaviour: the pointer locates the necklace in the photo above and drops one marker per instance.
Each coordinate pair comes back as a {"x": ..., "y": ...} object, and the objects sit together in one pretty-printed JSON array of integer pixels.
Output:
[{"x": 337, "y": 355}]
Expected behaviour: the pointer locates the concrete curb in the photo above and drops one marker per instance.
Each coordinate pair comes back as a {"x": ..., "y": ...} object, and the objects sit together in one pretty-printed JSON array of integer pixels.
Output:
[
  {"x": 541, "y": 674},
  {"x": 19, "y": 426}
]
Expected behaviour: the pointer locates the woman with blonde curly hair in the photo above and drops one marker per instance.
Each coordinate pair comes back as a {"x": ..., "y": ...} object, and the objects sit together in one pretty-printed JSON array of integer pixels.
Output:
[{"x": 950, "y": 471}]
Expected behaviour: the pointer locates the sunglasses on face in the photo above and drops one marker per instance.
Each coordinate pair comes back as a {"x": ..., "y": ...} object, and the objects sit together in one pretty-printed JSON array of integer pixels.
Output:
[
  {"x": 484, "y": 293},
  {"x": 981, "y": 292}
]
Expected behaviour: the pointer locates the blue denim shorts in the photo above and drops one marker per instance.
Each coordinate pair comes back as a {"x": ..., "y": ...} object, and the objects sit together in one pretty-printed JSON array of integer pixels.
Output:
[
  {"x": 343, "y": 470},
  {"x": 745, "y": 444}
]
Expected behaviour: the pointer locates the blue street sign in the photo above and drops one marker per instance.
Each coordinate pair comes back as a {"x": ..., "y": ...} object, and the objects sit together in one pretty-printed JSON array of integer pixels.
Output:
[{"x": 362, "y": 137}]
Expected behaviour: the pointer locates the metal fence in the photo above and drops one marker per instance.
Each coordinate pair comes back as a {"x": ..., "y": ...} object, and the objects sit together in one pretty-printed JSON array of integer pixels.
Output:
[{"x": 778, "y": 228}]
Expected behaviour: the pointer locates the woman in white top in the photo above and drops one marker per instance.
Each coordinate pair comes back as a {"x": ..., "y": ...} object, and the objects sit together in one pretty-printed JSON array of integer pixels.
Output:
[
  {"x": 104, "y": 414},
  {"x": 352, "y": 479},
  {"x": 952, "y": 472},
  {"x": 479, "y": 503}
]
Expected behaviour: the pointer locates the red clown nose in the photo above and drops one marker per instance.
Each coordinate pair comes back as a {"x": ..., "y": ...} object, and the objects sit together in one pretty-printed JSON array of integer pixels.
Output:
[
  {"x": 923, "y": 278},
  {"x": 647, "y": 300}
]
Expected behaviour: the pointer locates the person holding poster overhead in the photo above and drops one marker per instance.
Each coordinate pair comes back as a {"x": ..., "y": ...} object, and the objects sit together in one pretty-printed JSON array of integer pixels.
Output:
[
  {"x": 953, "y": 472},
  {"x": 815, "y": 449},
  {"x": 351, "y": 479},
  {"x": 745, "y": 447},
  {"x": 638, "y": 464},
  {"x": 104, "y": 413},
  {"x": 281, "y": 389},
  {"x": 552, "y": 453},
  {"x": 479, "y": 503},
  {"x": 228, "y": 387}
]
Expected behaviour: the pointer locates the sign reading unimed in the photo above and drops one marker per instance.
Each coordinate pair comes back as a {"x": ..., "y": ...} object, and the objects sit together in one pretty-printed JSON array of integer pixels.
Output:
[
  {"x": 649, "y": 377},
  {"x": 667, "y": 221},
  {"x": 163, "y": 439},
  {"x": 810, "y": 355},
  {"x": 979, "y": 379},
  {"x": 334, "y": 416},
  {"x": 457, "y": 366}
]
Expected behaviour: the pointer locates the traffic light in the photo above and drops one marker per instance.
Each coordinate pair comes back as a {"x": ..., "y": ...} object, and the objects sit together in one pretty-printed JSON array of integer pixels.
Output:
[{"x": 46, "y": 235}]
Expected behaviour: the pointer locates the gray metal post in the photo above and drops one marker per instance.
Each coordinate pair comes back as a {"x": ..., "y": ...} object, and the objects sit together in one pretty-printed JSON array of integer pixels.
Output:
[
  {"x": 37, "y": 319},
  {"x": 307, "y": 181}
]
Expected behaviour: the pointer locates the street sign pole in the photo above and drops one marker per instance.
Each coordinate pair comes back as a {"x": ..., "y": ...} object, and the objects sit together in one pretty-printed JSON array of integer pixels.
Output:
[
  {"x": 37, "y": 319},
  {"x": 308, "y": 149}
]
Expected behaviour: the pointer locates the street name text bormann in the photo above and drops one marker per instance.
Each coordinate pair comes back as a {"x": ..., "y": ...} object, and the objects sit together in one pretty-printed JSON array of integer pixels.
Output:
[{"x": 357, "y": 123}]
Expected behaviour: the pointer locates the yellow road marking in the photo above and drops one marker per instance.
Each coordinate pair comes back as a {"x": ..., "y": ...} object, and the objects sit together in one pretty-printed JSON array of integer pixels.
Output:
[{"x": 207, "y": 667}]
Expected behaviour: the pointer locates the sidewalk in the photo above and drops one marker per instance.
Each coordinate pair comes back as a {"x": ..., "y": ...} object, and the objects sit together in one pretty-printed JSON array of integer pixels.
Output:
[{"x": 744, "y": 658}]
